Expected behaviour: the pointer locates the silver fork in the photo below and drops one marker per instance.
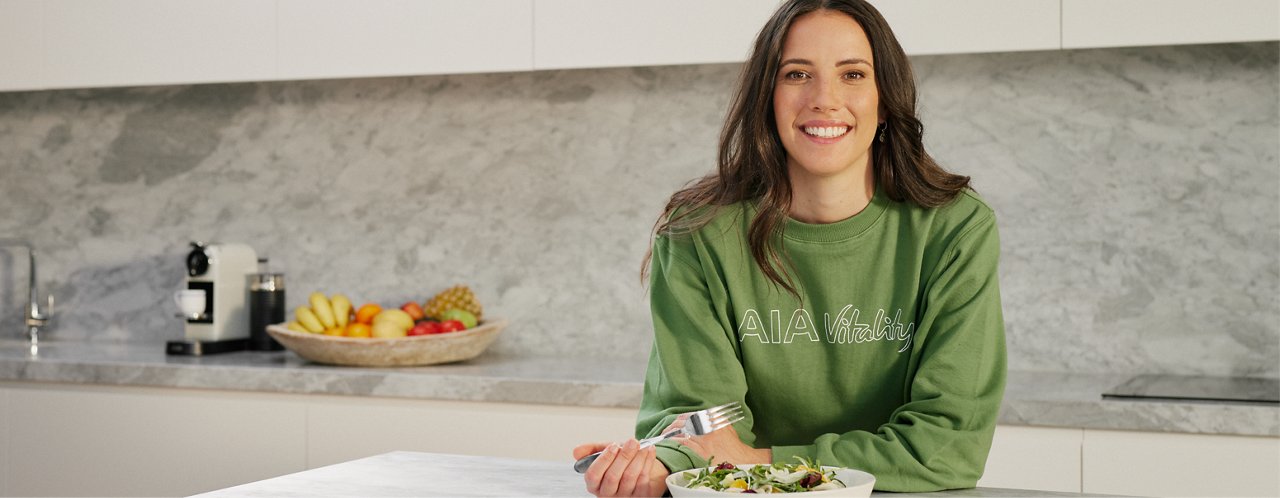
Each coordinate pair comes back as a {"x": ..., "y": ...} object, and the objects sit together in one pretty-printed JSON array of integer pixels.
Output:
[{"x": 698, "y": 423}]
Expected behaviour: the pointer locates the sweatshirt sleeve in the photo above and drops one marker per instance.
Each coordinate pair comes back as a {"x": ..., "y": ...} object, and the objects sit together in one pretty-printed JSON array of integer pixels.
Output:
[
  {"x": 940, "y": 437},
  {"x": 693, "y": 363}
]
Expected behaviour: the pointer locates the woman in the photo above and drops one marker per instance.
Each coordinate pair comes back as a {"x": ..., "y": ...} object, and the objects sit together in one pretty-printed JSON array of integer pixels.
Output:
[{"x": 830, "y": 276}]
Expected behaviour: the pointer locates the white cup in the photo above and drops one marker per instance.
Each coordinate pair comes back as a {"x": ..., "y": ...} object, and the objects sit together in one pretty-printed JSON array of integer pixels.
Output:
[{"x": 190, "y": 301}]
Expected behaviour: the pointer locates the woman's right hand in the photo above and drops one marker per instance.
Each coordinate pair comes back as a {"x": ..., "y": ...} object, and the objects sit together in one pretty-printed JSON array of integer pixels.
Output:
[{"x": 623, "y": 470}]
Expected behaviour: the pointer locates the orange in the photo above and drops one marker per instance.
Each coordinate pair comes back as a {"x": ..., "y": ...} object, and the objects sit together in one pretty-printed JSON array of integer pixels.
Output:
[
  {"x": 357, "y": 329},
  {"x": 366, "y": 313}
]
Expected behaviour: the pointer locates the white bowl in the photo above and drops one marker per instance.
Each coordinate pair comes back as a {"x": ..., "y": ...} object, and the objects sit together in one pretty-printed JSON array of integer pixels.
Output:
[{"x": 857, "y": 484}]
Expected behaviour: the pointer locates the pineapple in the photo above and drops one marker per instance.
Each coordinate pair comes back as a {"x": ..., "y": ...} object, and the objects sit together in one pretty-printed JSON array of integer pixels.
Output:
[{"x": 458, "y": 296}]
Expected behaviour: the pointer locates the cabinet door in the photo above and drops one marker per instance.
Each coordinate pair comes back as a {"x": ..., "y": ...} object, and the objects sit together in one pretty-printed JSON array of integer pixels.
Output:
[
  {"x": 359, "y": 38},
  {"x": 1159, "y": 464},
  {"x": 96, "y": 43},
  {"x": 1039, "y": 458},
  {"x": 20, "y": 61},
  {"x": 6, "y": 447},
  {"x": 948, "y": 27},
  {"x": 612, "y": 33},
  {"x": 342, "y": 429},
  {"x": 94, "y": 441},
  {"x": 1116, "y": 23}
]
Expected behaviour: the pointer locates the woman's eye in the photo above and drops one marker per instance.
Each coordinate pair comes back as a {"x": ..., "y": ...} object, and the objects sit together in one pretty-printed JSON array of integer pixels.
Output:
[
  {"x": 854, "y": 75},
  {"x": 795, "y": 75}
]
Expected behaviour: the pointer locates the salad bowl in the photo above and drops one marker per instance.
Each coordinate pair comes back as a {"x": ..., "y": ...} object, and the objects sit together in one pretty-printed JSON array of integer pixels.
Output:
[{"x": 856, "y": 483}]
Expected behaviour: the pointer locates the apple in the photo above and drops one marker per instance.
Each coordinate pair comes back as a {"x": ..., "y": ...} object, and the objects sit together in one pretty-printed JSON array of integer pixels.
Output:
[
  {"x": 451, "y": 326},
  {"x": 425, "y": 328},
  {"x": 413, "y": 309},
  {"x": 466, "y": 317}
]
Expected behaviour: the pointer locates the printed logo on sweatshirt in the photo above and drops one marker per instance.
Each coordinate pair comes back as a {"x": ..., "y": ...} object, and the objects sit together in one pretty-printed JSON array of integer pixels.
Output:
[{"x": 845, "y": 328}]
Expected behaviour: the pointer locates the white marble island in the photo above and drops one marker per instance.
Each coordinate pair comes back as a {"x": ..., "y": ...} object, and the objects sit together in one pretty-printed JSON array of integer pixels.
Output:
[{"x": 404, "y": 473}]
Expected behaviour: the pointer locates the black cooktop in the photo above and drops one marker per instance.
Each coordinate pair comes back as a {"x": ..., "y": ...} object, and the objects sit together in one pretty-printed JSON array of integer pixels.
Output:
[{"x": 1198, "y": 388}]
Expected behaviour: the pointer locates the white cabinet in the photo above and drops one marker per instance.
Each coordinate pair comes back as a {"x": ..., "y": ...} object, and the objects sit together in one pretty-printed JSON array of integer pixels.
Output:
[
  {"x": 102, "y": 43},
  {"x": 73, "y": 440},
  {"x": 1157, "y": 464},
  {"x": 94, "y": 441},
  {"x": 361, "y": 38},
  {"x": 20, "y": 44},
  {"x": 6, "y": 425},
  {"x": 345, "y": 428},
  {"x": 90, "y": 43},
  {"x": 948, "y": 27},
  {"x": 608, "y": 33},
  {"x": 1116, "y": 23},
  {"x": 1040, "y": 458}
]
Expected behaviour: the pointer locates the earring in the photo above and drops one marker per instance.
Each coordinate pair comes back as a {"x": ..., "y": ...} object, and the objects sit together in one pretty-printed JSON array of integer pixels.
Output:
[{"x": 884, "y": 128}]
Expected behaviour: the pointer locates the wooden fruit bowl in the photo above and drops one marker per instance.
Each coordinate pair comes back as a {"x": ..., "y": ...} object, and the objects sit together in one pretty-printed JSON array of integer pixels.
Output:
[{"x": 399, "y": 352}]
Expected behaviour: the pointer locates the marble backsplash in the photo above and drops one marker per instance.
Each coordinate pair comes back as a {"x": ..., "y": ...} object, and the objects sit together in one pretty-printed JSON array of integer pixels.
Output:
[{"x": 1138, "y": 194}]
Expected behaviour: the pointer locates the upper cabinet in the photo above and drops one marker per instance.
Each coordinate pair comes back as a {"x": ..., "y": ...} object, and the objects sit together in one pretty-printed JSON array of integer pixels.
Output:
[
  {"x": 1118, "y": 23},
  {"x": 46, "y": 44},
  {"x": 926, "y": 27},
  {"x": 97, "y": 43},
  {"x": 362, "y": 38},
  {"x": 606, "y": 33}
]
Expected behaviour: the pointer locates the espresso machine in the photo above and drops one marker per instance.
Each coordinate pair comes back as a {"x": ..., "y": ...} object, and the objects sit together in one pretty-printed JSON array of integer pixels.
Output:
[{"x": 215, "y": 302}]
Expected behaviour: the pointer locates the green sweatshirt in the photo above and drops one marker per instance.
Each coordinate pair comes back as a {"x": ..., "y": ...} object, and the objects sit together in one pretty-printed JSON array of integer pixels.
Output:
[{"x": 892, "y": 361}]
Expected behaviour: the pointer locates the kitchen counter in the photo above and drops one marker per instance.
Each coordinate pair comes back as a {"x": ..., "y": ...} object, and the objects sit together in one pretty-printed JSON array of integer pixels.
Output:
[
  {"x": 1032, "y": 398},
  {"x": 403, "y": 473}
]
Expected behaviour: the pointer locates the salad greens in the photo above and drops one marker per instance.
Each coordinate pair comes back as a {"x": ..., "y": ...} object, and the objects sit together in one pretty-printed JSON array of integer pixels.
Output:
[{"x": 775, "y": 478}]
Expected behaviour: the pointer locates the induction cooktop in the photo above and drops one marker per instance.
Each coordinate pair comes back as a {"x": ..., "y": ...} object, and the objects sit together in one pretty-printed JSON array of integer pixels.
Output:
[{"x": 1156, "y": 387}]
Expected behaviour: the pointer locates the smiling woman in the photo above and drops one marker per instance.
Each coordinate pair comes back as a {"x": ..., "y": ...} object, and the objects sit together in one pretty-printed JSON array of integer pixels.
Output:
[{"x": 829, "y": 276}]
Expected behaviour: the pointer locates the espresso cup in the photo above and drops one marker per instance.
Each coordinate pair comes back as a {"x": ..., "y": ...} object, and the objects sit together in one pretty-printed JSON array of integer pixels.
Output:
[{"x": 190, "y": 301}]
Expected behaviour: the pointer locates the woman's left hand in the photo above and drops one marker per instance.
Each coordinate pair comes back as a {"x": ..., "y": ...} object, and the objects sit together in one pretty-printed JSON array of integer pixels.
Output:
[{"x": 725, "y": 446}]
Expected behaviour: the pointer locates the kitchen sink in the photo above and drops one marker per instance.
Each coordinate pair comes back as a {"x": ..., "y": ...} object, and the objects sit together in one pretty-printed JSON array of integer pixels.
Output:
[{"x": 1157, "y": 387}]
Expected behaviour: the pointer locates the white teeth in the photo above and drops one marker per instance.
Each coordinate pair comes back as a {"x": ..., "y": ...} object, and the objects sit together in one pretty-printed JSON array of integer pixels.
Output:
[{"x": 826, "y": 131}]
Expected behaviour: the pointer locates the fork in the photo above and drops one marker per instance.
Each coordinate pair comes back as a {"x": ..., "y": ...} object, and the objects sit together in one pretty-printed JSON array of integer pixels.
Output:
[{"x": 698, "y": 423}]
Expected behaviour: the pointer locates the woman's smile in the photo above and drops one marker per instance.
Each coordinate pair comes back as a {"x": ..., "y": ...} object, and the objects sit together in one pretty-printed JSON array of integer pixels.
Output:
[{"x": 825, "y": 132}]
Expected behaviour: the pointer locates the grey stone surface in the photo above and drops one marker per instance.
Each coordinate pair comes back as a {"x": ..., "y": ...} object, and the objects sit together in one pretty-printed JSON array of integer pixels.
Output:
[
  {"x": 1138, "y": 195},
  {"x": 1032, "y": 398}
]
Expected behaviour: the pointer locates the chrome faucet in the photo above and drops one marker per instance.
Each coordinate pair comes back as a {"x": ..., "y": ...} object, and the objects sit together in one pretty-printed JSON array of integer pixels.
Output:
[{"x": 36, "y": 317}]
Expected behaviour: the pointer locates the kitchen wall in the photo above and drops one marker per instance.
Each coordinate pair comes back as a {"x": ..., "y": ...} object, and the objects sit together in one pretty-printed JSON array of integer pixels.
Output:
[{"x": 1138, "y": 195}]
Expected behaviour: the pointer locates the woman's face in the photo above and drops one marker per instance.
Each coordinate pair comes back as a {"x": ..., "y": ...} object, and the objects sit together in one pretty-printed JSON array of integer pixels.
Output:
[{"x": 825, "y": 100}]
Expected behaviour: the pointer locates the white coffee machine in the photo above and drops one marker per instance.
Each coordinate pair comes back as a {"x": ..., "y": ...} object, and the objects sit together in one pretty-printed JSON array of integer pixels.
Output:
[{"x": 220, "y": 270}]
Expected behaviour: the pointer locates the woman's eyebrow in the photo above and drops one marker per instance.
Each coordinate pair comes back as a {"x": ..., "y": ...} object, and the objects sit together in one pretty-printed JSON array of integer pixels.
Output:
[{"x": 807, "y": 62}]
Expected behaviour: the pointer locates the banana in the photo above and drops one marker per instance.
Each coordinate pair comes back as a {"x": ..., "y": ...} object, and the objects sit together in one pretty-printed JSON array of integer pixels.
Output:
[
  {"x": 308, "y": 320},
  {"x": 341, "y": 309},
  {"x": 297, "y": 327},
  {"x": 323, "y": 310}
]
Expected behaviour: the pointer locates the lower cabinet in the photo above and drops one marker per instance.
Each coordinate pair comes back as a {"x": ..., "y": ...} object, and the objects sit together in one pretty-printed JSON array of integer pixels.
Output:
[
  {"x": 78, "y": 440},
  {"x": 82, "y": 441},
  {"x": 1040, "y": 458},
  {"x": 1156, "y": 464}
]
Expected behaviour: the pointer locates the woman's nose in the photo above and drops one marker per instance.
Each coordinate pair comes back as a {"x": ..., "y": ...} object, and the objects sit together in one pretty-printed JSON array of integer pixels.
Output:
[{"x": 823, "y": 97}]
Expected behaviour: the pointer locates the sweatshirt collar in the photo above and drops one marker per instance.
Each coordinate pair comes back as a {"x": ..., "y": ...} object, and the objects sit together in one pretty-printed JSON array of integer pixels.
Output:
[{"x": 847, "y": 228}]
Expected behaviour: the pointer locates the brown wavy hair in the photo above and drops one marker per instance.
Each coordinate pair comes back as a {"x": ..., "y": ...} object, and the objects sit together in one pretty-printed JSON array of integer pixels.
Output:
[{"x": 753, "y": 163}]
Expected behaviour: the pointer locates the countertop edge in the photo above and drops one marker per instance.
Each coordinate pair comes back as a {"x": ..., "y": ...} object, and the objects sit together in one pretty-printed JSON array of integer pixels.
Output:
[{"x": 1037, "y": 399}]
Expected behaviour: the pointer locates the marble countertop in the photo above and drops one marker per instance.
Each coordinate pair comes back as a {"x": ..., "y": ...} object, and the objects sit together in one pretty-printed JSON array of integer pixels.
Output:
[
  {"x": 403, "y": 473},
  {"x": 1032, "y": 398}
]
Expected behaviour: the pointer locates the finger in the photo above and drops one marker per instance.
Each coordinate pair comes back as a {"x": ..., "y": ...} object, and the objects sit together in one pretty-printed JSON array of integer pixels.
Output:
[
  {"x": 613, "y": 477},
  {"x": 678, "y": 422},
  {"x": 633, "y": 473},
  {"x": 595, "y": 473},
  {"x": 587, "y": 449},
  {"x": 644, "y": 487}
]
